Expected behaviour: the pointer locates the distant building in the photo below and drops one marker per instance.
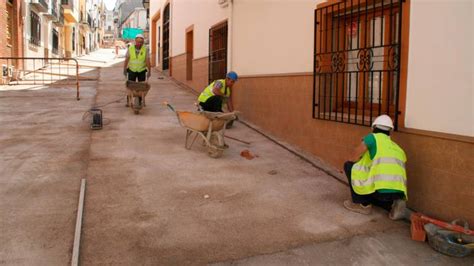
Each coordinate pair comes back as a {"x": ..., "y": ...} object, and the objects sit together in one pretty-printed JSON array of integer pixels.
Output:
[
  {"x": 122, "y": 10},
  {"x": 109, "y": 22},
  {"x": 137, "y": 19},
  {"x": 47, "y": 29}
]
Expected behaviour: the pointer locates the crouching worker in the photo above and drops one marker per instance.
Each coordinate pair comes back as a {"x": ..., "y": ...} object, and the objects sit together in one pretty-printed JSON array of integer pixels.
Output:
[
  {"x": 217, "y": 93},
  {"x": 377, "y": 174}
]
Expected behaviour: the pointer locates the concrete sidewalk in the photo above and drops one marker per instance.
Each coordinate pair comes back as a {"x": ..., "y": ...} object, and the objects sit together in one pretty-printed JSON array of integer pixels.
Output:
[{"x": 145, "y": 201}]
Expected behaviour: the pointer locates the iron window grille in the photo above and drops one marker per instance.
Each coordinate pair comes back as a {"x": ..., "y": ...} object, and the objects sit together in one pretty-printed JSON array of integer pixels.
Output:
[
  {"x": 357, "y": 61},
  {"x": 35, "y": 29},
  {"x": 9, "y": 19},
  {"x": 218, "y": 52}
]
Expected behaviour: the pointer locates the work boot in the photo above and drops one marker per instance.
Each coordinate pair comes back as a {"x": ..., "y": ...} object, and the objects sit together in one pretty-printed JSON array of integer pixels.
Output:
[
  {"x": 399, "y": 210},
  {"x": 356, "y": 207}
]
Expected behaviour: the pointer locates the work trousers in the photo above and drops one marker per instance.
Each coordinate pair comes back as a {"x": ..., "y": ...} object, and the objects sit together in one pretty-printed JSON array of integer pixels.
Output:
[
  {"x": 382, "y": 200},
  {"x": 213, "y": 104},
  {"x": 133, "y": 76}
]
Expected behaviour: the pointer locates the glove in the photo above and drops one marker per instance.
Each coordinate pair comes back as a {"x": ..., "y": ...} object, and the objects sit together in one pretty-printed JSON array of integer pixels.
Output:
[{"x": 125, "y": 72}]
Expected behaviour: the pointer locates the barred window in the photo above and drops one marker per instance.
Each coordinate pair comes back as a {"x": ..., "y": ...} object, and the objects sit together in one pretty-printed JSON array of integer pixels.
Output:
[
  {"x": 74, "y": 39},
  {"x": 218, "y": 52},
  {"x": 35, "y": 29},
  {"x": 357, "y": 61},
  {"x": 55, "y": 42}
]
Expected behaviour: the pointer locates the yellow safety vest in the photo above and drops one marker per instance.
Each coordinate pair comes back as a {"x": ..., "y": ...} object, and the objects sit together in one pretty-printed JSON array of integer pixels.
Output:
[
  {"x": 385, "y": 171},
  {"x": 137, "y": 63},
  {"x": 207, "y": 92}
]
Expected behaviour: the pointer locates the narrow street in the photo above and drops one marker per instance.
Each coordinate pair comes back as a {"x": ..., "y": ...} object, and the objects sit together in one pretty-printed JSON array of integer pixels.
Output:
[{"x": 149, "y": 201}]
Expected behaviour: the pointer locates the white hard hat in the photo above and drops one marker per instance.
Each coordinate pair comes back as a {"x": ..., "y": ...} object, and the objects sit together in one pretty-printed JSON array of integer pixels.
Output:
[
  {"x": 140, "y": 36},
  {"x": 383, "y": 122}
]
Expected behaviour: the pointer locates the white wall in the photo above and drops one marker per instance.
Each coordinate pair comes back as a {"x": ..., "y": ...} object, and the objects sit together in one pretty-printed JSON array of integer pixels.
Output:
[
  {"x": 440, "y": 67},
  {"x": 273, "y": 36},
  {"x": 203, "y": 14}
]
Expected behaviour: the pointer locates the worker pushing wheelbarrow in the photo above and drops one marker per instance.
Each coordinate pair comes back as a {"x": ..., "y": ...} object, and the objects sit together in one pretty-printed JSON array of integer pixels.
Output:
[
  {"x": 209, "y": 126},
  {"x": 137, "y": 68}
]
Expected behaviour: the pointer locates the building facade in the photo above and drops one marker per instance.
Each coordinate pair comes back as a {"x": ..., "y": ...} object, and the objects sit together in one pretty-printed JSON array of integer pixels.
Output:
[
  {"x": 122, "y": 10},
  {"x": 11, "y": 38},
  {"x": 46, "y": 29},
  {"x": 71, "y": 27},
  {"x": 316, "y": 73},
  {"x": 108, "y": 27}
]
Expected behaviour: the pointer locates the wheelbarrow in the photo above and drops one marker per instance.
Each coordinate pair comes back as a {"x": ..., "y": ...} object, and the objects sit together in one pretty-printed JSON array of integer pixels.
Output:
[
  {"x": 209, "y": 126},
  {"x": 136, "y": 93}
]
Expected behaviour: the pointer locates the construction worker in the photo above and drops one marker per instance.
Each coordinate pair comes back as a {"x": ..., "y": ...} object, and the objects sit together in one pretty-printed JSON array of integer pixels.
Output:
[
  {"x": 217, "y": 93},
  {"x": 377, "y": 173},
  {"x": 137, "y": 61}
]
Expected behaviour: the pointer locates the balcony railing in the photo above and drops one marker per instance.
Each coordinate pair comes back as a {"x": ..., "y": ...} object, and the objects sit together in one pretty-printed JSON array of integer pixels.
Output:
[
  {"x": 59, "y": 18},
  {"x": 54, "y": 8},
  {"x": 53, "y": 11}
]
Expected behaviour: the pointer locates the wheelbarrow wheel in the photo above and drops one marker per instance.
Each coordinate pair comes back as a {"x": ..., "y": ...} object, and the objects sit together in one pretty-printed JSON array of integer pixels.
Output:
[
  {"x": 136, "y": 102},
  {"x": 136, "y": 112},
  {"x": 214, "y": 152},
  {"x": 217, "y": 140}
]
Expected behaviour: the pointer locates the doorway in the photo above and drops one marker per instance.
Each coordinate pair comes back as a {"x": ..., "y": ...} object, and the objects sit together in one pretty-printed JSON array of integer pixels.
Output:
[{"x": 189, "y": 54}]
